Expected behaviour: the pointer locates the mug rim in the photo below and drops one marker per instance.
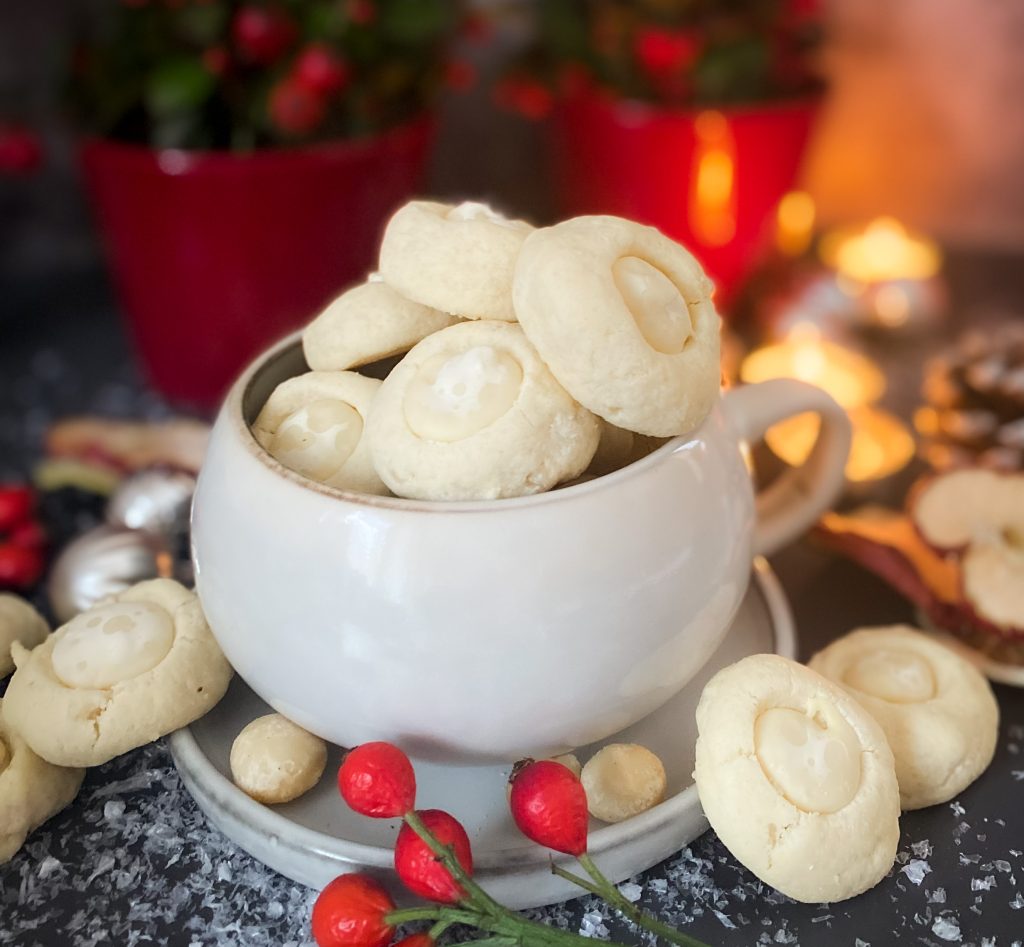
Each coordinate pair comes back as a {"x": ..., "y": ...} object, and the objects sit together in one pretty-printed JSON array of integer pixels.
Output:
[{"x": 233, "y": 407}]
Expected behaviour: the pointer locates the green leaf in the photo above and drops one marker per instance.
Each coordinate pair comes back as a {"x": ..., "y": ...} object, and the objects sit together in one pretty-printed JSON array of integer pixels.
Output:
[
  {"x": 179, "y": 85},
  {"x": 204, "y": 24},
  {"x": 415, "y": 21}
]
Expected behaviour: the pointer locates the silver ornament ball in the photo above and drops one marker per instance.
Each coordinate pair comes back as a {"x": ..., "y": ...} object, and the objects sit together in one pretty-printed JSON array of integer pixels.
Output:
[
  {"x": 102, "y": 562},
  {"x": 156, "y": 501}
]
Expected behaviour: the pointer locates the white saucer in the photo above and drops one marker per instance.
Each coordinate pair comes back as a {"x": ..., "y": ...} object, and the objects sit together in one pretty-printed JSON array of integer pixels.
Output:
[{"x": 317, "y": 837}]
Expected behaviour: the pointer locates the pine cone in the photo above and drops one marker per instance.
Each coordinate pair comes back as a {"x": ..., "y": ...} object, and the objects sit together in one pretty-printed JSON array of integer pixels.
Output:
[{"x": 974, "y": 402}]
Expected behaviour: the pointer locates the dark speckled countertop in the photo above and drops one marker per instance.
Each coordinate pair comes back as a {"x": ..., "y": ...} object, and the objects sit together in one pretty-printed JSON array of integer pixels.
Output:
[{"x": 133, "y": 860}]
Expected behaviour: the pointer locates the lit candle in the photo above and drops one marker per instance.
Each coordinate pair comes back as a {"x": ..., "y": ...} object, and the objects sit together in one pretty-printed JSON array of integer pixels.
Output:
[
  {"x": 849, "y": 377},
  {"x": 889, "y": 275},
  {"x": 882, "y": 443}
]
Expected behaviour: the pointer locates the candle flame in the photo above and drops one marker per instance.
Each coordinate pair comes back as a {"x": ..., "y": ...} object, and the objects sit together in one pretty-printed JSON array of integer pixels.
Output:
[
  {"x": 882, "y": 251},
  {"x": 794, "y": 223},
  {"x": 712, "y": 198}
]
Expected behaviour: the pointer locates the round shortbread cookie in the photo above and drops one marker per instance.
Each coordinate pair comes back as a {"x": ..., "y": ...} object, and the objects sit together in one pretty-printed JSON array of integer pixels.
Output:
[
  {"x": 124, "y": 673},
  {"x": 273, "y": 760},
  {"x": 458, "y": 259},
  {"x": 31, "y": 790},
  {"x": 315, "y": 424},
  {"x": 937, "y": 710},
  {"x": 623, "y": 317},
  {"x": 366, "y": 324},
  {"x": 20, "y": 622},
  {"x": 797, "y": 779},
  {"x": 472, "y": 413}
]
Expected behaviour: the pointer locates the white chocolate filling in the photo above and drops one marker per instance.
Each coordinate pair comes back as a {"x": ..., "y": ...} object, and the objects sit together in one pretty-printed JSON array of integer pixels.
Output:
[
  {"x": 816, "y": 767},
  {"x": 899, "y": 677},
  {"x": 473, "y": 210},
  {"x": 316, "y": 440},
  {"x": 112, "y": 643},
  {"x": 454, "y": 396},
  {"x": 660, "y": 312}
]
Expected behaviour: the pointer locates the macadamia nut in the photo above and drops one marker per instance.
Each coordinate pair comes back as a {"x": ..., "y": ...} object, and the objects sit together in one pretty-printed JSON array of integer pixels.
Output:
[
  {"x": 622, "y": 780},
  {"x": 273, "y": 760}
]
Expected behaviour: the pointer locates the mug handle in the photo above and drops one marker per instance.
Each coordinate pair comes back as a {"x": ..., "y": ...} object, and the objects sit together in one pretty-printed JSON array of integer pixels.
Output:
[{"x": 794, "y": 501}]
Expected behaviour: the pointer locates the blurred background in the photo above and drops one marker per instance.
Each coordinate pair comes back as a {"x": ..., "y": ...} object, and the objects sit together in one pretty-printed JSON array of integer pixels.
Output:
[{"x": 184, "y": 181}]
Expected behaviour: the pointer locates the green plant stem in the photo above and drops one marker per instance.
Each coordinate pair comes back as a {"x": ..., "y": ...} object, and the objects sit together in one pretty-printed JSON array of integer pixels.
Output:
[
  {"x": 438, "y": 929},
  {"x": 516, "y": 929},
  {"x": 641, "y": 918}
]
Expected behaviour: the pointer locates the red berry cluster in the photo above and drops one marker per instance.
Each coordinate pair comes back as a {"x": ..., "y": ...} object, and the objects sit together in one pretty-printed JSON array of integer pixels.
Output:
[
  {"x": 434, "y": 859},
  {"x": 298, "y": 102},
  {"x": 22, "y": 539}
]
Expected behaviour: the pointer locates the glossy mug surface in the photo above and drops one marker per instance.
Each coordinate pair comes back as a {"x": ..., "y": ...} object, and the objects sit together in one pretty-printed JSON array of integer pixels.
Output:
[{"x": 498, "y": 629}]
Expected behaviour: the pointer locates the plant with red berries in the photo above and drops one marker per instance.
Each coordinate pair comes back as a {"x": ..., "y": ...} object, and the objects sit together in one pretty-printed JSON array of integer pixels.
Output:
[
  {"x": 549, "y": 806},
  {"x": 434, "y": 859},
  {"x": 22, "y": 539},
  {"x": 675, "y": 54},
  {"x": 243, "y": 74}
]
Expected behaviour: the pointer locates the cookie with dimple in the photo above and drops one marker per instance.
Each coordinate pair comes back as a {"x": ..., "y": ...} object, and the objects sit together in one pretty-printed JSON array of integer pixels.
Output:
[
  {"x": 124, "y": 673},
  {"x": 797, "y": 779},
  {"x": 472, "y": 413},
  {"x": 937, "y": 710},
  {"x": 458, "y": 259},
  {"x": 31, "y": 790},
  {"x": 274, "y": 760},
  {"x": 315, "y": 424},
  {"x": 365, "y": 324},
  {"x": 623, "y": 317},
  {"x": 20, "y": 622}
]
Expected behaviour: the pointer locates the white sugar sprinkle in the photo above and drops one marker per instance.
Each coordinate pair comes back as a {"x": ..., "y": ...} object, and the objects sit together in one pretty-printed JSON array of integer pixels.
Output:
[
  {"x": 630, "y": 891},
  {"x": 916, "y": 870},
  {"x": 946, "y": 928}
]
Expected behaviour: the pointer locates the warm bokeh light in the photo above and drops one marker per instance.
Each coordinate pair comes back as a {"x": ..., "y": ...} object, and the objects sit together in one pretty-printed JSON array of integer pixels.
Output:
[
  {"x": 882, "y": 251},
  {"x": 849, "y": 377},
  {"x": 713, "y": 199},
  {"x": 794, "y": 223},
  {"x": 882, "y": 443}
]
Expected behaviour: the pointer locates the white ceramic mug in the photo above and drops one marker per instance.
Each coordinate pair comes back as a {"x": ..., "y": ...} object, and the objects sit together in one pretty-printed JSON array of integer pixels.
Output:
[{"x": 496, "y": 629}]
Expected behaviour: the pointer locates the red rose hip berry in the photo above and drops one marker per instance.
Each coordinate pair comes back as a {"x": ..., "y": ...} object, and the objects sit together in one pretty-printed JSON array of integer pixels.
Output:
[
  {"x": 549, "y": 805},
  {"x": 294, "y": 109},
  {"x": 420, "y": 869},
  {"x": 16, "y": 504},
  {"x": 416, "y": 940},
  {"x": 377, "y": 779},
  {"x": 321, "y": 70},
  {"x": 262, "y": 35},
  {"x": 351, "y": 912},
  {"x": 20, "y": 566}
]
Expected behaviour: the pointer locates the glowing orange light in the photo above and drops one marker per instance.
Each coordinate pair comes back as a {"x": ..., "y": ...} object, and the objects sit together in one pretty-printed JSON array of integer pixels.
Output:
[
  {"x": 794, "y": 223},
  {"x": 713, "y": 195},
  {"x": 849, "y": 377}
]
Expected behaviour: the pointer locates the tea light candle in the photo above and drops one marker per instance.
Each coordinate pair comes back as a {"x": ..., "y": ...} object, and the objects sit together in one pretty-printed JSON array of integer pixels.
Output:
[
  {"x": 889, "y": 277},
  {"x": 882, "y": 443},
  {"x": 849, "y": 377}
]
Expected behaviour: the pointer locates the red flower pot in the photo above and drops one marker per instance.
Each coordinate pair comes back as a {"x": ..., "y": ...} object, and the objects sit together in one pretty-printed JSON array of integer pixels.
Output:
[
  {"x": 215, "y": 255},
  {"x": 711, "y": 179}
]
